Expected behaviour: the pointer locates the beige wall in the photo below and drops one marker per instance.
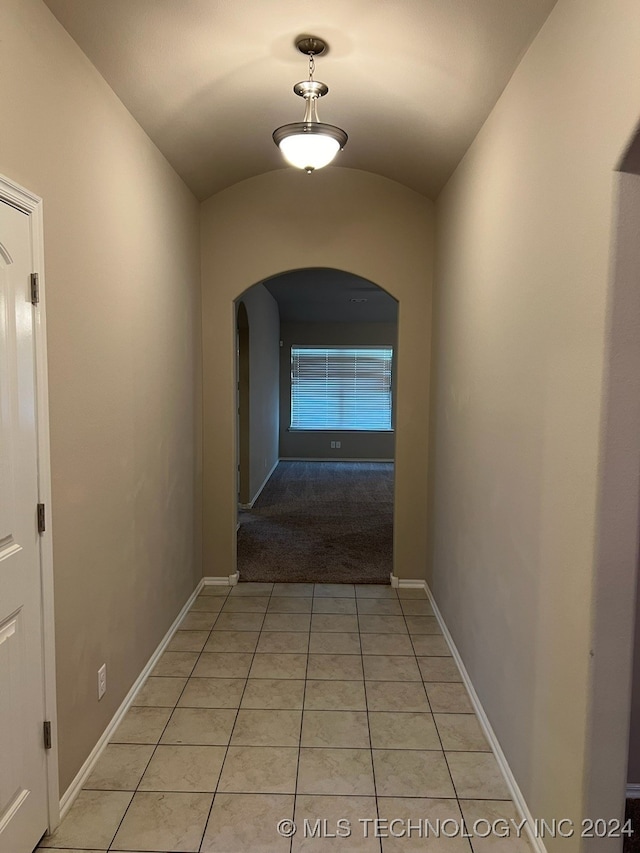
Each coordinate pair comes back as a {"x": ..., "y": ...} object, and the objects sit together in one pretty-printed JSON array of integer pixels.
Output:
[
  {"x": 308, "y": 444},
  {"x": 264, "y": 358},
  {"x": 620, "y": 507},
  {"x": 617, "y": 514},
  {"x": 360, "y": 223},
  {"x": 520, "y": 533},
  {"x": 122, "y": 277}
]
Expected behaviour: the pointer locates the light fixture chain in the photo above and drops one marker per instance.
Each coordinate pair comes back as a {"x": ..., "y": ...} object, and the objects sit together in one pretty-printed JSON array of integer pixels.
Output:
[{"x": 312, "y": 66}]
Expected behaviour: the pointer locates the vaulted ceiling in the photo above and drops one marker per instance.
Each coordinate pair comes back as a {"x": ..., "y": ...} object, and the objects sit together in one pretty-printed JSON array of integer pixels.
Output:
[{"x": 411, "y": 81}]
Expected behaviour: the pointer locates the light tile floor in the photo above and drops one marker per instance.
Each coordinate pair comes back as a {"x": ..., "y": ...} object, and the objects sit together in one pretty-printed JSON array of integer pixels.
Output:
[{"x": 302, "y": 702}]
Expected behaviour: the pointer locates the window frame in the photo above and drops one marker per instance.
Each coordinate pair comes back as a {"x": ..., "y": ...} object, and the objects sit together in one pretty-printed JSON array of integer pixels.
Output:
[{"x": 341, "y": 429}]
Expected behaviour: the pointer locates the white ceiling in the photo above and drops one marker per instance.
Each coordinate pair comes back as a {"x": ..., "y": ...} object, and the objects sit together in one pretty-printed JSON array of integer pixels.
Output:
[{"x": 411, "y": 81}]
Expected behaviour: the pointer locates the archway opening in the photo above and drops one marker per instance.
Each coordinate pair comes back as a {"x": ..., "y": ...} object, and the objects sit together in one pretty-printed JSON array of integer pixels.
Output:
[{"x": 321, "y": 440}]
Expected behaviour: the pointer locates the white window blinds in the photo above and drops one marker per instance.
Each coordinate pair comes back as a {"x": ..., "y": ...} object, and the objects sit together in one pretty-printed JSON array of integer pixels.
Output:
[{"x": 341, "y": 388}]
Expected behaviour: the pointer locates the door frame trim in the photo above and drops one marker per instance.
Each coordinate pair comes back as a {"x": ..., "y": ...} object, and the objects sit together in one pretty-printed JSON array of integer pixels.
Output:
[{"x": 31, "y": 204}]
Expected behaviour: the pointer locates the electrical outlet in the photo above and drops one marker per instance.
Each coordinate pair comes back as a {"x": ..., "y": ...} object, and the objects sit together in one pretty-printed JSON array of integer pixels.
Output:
[
  {"x": 333, "y": 445},
  {"x": 102, "y": 681},
  {"x": 338, "y": 445}
]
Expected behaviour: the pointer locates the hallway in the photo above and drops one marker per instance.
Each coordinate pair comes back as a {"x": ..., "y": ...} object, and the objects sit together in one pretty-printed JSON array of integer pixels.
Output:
[{"x": 280, "y": 701}]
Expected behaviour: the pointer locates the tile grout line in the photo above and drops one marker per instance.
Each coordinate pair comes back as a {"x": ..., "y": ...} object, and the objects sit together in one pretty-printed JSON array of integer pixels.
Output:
[
  {"x": 226, "y": 753},
  {"x": 444, "y": 754},
  {"x": 157, "y": 744},
  {"x": 366, "y": 705},
  {"x": 304, "y": 698},
  {"x": 272, "y": 746},
  {"x": 455, "y": 790},
  {"x": 404, "y": 616}
]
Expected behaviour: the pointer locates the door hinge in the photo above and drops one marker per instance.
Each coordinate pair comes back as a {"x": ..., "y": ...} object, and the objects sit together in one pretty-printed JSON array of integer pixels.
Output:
[
  {"x": 41, "y": 519},
  {"x": 35, "y": 288},
  {"x": 47, "y": 734}
]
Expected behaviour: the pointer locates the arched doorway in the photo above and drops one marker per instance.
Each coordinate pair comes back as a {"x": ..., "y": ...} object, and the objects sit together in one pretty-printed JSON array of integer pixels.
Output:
[
  {"x": 319, "y": 506},
  {"x": 364, "y": 224}
]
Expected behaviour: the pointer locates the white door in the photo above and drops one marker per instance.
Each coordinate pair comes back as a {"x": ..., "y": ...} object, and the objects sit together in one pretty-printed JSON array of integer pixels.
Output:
[{"x": 23, "y": 780}]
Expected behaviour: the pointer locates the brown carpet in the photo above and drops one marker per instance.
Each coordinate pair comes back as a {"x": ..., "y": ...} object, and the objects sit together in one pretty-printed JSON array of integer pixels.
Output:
[{"x": 322, "y": 522}]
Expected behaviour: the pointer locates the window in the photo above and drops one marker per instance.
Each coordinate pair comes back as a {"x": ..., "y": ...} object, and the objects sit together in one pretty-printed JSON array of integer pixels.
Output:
[{"x": 341, "y": 388}]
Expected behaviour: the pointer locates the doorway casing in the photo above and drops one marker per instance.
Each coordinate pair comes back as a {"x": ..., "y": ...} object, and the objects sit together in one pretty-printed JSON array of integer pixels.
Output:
[{"x": 31, "y": 204}]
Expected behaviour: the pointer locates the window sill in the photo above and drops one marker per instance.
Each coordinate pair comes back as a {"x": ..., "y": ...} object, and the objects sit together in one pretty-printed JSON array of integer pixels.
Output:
[{"x": 343, "y": 431}]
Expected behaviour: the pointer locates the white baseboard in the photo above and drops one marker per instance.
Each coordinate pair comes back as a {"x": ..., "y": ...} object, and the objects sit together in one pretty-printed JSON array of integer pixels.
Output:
[
  {"x": 66, "y": 801},
  {"x": 407, "y": 583},
  {"x": 633, "y": 792},
  {"x": 514, "y": 789},
  {"x": 259, "y": 492},
  {"x": 225, "y": 580}
]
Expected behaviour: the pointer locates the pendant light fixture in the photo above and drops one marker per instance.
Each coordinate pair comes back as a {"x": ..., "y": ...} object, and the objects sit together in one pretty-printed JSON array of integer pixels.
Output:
[{"x": 310, "y": 144}]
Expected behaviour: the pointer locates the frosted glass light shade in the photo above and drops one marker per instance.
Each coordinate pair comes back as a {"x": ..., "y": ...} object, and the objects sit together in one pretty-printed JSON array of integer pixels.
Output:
[
  {"x": 309, "y": 151},
  {"x": 309, "y": 145}
]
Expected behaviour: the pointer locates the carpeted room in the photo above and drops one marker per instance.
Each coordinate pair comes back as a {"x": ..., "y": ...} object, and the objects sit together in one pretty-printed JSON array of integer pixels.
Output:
[
  {"x": 325, "y": 522},
  {"x": 316, "y": 407}
]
